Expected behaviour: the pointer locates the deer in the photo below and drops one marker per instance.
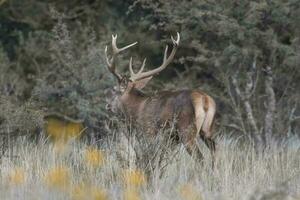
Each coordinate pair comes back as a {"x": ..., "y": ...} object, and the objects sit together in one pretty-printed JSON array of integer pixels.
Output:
[{"x": 194, "y": 110}]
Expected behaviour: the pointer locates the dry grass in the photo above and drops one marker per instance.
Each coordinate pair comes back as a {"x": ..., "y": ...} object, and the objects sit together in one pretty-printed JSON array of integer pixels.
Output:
[{"x": 79, "y": 171}]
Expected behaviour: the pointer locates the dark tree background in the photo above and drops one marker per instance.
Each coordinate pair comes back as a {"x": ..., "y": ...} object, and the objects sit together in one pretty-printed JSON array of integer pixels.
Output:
[{"x": 246, "y": 54}]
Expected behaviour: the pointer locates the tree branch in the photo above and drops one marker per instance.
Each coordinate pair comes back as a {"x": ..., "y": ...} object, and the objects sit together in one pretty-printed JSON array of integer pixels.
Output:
[{"x": 245, "y": 100}]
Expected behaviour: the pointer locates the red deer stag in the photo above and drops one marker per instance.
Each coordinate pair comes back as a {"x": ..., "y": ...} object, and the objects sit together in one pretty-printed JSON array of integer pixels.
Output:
[{"x": 194, "y": 110}]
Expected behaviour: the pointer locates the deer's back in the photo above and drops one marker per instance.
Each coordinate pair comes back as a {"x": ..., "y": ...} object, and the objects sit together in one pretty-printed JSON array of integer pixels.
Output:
[{"x": 166, "y": 106}]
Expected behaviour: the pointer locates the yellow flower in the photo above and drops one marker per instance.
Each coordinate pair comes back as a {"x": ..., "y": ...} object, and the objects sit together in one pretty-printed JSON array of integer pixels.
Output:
[
  {"x": 83, "y": 192},
  {"x": 189, "y": 193},
  {"x": 58, "y": 177},
  {"x": 98, "y": 194},
  {"x": 130, "y": 194},
  {"x": 62, "y": 130},
  {"x": 94, "y": 157},
  {"x": 134, "y": 178},
  {"x": 79, "y": 192},
  {"x": 16, "y": 177}
]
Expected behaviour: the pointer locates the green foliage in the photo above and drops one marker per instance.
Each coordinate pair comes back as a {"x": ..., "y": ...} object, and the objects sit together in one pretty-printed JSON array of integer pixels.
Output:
[
  {"x": 56, "y": 55},
  {"x": 74, "y": 80},
  {"x": 16, "y": 117}
]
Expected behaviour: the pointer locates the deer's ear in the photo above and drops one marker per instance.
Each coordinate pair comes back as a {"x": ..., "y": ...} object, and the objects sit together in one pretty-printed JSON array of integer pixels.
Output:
[{"x": 142, "y": 83}]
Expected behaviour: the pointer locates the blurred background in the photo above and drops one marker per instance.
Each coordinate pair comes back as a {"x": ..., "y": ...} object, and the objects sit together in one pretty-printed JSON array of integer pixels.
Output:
[{"x": 245, "y": 54}]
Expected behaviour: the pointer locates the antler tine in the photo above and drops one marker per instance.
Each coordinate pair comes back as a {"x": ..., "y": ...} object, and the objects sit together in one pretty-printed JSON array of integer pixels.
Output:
[
  {"x": 143, "y": 65},
  {"x": 133, "y": 75},
  {"x": 114, "y": 44},
  {"x": 130, "y": 66},
  {"x": 106, "y": 56},
  {"x": 117, "y": 50},
  {"x": 166, "y": 53},
  {"x": 176, "y": 42},
  {"x": 128, "y": 46},
  {"x": 111, "y": 63},
  {"x": 166, "y": 61}
]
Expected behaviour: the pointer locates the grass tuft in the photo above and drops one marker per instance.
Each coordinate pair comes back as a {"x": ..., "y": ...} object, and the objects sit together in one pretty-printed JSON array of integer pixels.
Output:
[{"x": 39, "y": 171}]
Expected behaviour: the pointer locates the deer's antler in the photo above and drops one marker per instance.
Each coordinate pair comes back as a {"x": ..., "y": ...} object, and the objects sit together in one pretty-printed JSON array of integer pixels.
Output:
[
  {"x": 166, "y": 61},
  {"x": 111, "y": 63}
]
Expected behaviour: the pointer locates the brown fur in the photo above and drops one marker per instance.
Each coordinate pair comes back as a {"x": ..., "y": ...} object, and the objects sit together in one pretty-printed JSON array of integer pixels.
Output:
[
  {"x": 194, "y": 112},
  {"x": 200, "y": 108}
]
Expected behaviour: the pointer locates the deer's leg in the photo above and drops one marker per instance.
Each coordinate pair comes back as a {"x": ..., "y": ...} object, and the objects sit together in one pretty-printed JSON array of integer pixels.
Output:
[
  {"x": 210, "y": 143},
  {"x": 188, "y": 136},
  {"x": 206, "y": 129}
]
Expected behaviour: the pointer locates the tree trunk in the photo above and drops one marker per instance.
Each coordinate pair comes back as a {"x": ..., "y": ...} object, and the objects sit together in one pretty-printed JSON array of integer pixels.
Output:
[{"x": 271, "y": 105}]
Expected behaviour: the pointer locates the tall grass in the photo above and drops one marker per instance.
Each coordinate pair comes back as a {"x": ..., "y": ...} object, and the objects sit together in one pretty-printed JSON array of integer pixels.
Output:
[{"x": 77, "y": 170}]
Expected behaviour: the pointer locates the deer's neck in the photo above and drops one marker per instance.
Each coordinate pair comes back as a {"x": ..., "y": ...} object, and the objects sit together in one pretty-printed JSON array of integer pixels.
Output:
[{"x": 132, "y": 102}]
